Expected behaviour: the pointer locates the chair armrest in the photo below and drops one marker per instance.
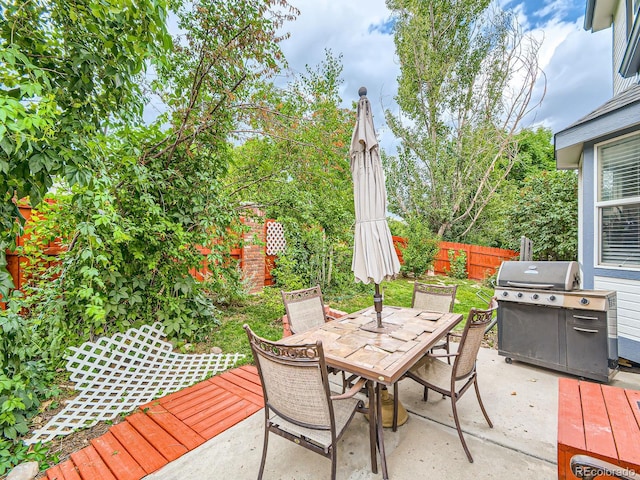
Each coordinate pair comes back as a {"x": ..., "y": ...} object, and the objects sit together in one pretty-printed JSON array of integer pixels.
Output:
[
  {"x": 352, "y": 391},
  {"x": 588, "y": 468}
]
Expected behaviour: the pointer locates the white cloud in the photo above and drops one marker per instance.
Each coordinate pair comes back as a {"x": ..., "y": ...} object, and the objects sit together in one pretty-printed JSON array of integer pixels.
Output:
[
  {"x": 579, "y": 75},
  {"x": 577, "y": 63},
  {"x": 348, "y": 28}
]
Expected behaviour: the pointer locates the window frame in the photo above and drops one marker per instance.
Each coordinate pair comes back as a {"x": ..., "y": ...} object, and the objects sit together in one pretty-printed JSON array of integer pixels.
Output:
[{"x": 599, "y": 205}]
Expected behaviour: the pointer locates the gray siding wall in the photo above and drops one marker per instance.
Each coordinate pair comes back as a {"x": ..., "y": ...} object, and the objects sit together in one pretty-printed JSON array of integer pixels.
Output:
[
  {"x": 589, "y": 218},
  {"x": 626, "y": 283},
  {"x": 628, "y": 299},
  {"x": 619, "y": 45}
]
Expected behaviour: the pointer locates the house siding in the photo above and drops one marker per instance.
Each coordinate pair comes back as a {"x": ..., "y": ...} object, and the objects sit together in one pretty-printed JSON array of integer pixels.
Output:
[
  {"x": 619, "y": 46},
  {"x": 625, "y": 282},
  {"x": 628, "y": 299}
]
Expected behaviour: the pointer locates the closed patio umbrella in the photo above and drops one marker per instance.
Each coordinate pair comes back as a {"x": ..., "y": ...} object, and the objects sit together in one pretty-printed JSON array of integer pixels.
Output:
[{"x": 374, "y": 257}]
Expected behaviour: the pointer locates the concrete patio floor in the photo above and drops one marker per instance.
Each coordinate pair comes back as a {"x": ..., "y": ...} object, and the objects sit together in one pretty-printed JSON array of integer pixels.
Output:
[{"x": 521, "y": 399}]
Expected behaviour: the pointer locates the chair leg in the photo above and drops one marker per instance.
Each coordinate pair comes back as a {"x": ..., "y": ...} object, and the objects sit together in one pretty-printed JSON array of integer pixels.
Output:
[
  {"x": 395, "y": 407},
  {"x": 446, "y": 347},
  {"x": 264, "y": 452},
  {"x": 455, "y": 417},
  {"x": 334, "y": 461},
  {"x": 425, "y": 394},
  {"x": 484, "y": 412}
]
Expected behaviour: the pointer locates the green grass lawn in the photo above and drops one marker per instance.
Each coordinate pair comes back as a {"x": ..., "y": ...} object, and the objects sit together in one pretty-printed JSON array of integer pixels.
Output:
[{"x": 263, "y": 312}]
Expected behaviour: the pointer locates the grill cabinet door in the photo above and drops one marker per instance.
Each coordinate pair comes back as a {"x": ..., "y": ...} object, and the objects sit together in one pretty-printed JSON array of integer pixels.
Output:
[
  {"x": 532, "y": 333},
  {"x": 587, "y": 342}
]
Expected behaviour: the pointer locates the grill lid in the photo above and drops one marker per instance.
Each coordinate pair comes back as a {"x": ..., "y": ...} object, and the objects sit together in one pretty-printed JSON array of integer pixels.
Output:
[{"x": 549, "y": 275}]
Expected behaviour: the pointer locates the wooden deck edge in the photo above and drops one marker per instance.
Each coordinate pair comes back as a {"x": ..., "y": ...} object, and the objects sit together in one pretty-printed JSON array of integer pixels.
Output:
[{"x": 156, "y": 422}]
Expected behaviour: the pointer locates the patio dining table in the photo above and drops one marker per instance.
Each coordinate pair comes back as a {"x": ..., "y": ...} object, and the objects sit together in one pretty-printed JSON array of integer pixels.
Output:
[{"x": 380, "y": 357}]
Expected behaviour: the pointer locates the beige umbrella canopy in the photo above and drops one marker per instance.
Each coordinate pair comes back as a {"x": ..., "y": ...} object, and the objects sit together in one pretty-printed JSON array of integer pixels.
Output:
[{"x": 374, "y": 257}]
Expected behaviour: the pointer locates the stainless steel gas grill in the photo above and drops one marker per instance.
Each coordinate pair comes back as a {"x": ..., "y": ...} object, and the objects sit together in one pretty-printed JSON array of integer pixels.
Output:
[{"x": 545, "y": 319}]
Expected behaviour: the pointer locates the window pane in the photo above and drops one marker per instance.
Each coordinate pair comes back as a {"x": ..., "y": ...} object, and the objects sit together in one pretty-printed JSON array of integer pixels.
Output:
[
  {"x": 620, "y": 169},
  {"x": 620, "y": 235}
]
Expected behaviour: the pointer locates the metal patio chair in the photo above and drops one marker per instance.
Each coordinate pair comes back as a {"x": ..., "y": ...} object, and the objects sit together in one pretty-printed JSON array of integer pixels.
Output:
[
  {"x": 305, "y": 309},
  {"x": 299, "y": 405},
  {"x": 435, "y": 298},
  {"x": 454, "y": 380}
]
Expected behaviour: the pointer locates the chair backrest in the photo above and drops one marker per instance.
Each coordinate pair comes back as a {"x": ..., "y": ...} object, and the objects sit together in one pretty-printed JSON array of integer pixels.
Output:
[
  {"x": 470, "y": 342},
  {"x": 305, "y": 308},
  {"x": 435, "y": 298},
  {"x": 294, "y": 381}
]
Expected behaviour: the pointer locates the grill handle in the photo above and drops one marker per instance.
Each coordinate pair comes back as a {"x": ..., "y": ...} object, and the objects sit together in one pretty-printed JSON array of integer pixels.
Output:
[
  {"x": 584, "y": 317},
  {"x": 585, "y": 330},
  {"x": 529, "y": 285}
]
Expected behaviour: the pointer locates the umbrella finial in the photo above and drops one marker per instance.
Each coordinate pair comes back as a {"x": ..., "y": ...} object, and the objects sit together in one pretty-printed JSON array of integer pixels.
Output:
[{"x": 362, "y": 91}]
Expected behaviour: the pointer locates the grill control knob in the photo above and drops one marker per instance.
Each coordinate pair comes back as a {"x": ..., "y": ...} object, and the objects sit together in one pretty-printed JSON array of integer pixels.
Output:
[
  {"x": 552, "y": 298},
  {"x": 519, "y": 295},
  {"x": 584, "y": 301},
  {"x": 505, "y": 294},
  {"x": 535, "y": 296}
]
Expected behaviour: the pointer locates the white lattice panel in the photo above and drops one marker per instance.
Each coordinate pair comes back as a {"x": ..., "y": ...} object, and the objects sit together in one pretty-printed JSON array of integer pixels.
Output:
[
  {"x": 275, "y": 238},
  {"x": 117, "y": 374}
]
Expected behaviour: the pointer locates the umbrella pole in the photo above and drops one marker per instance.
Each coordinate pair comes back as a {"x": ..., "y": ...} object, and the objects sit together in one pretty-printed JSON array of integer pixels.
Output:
[{"x": 377, "y": 303}]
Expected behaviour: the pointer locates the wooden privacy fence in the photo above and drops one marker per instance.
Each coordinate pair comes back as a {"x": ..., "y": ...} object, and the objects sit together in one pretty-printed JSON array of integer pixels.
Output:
[
  {"x": 257, "y": 258},
  {"x": 482, "y": 262},
  {"x": 262, "y": 242}
]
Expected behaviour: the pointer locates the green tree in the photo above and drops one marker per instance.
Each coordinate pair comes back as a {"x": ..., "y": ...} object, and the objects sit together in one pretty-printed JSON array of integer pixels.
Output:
[
  {"x": 546, "y": 211},
  {"x": 466, "y": 82},
  {"x": 421, "y": 250},
  {"x": 534, "y": 155},
  {"x": 134, "y": 201},
  {"x": 133, "y": 234},
  {"x": 68, "y": 68},
  {"x": 299, "y": 174}
]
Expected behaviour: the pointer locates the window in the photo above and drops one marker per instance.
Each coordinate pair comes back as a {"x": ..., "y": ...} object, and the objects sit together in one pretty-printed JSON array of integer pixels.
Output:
[{"x": 618, "y": 204}]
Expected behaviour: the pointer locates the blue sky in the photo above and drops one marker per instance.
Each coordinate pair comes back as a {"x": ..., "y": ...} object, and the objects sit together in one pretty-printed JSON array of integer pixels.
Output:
[
  {"x": 542, "y": 12},
  {"x": 576, "y": 63}
]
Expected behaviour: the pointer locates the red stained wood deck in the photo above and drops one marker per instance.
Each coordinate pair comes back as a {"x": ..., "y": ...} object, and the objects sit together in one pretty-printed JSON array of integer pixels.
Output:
[
  {"x": 597, "y": 420},
  {"x": 166, "y": 428}
]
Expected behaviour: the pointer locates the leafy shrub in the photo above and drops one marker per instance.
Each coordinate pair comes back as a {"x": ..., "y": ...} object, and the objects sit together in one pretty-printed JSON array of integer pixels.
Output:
[
  {"x": 128, "y": 257},
  {"x": 545, "y": 210},
  {"x": 457, "y": 264},
  {"x": 23, "y": 381},
  {"x": 490, "y": 280},
  {"x": 397, "y": 227},
  {"x": 421, "y": 250},
  {"x": 15, "y": 453},
  {"x": 313, "y": 258},
  {"x": 17, "y": 404}
]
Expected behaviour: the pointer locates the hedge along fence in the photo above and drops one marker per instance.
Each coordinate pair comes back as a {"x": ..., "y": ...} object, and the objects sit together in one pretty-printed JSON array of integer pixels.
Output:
[
  {"x": 256, "y": 259},
  {"x": 482, "y": 262},
  {"x": 16, "y": 263},
  {"x": 255, "y": 264}
]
